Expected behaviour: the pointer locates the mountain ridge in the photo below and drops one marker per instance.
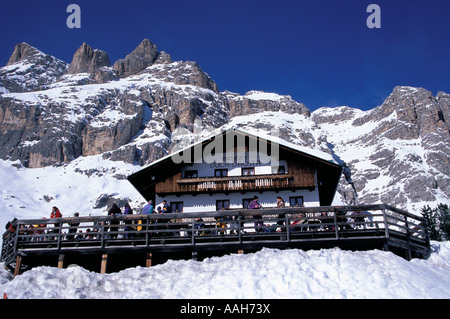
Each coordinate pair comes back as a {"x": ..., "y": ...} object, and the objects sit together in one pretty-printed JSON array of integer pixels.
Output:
[{"x": 141, "y": 107}]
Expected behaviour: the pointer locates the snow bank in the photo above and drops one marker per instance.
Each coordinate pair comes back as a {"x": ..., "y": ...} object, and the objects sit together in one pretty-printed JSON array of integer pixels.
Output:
[{"x": 269, "y": 273}]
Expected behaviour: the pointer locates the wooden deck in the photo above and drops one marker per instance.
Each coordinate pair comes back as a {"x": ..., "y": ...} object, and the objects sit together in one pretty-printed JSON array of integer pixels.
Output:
[{"x": 111, "y": 243}]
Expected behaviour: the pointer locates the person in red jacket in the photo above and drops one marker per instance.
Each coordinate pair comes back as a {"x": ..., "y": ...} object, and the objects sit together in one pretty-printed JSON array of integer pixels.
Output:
[{"x": 56, "y": 214}]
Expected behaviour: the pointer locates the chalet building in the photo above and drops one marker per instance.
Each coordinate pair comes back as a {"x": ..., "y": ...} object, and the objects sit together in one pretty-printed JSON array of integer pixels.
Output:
[
  {"x": 226, "y": 171},
  {"x": 220, "y": 173}
]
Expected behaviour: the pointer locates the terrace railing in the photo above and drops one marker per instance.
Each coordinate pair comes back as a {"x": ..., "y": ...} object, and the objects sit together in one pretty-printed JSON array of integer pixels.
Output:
[{"x": 311, "y": 227}]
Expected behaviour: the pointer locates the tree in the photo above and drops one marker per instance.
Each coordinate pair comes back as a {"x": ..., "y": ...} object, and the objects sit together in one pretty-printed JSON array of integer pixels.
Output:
[
  {"x": 444, "y": 220},
  {"x": 432, "y": 223},
  {"x": 438, "y": 221}
]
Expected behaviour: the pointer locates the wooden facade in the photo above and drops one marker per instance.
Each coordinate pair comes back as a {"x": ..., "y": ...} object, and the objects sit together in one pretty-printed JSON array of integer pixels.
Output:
[{"x": 299, "y": 171}]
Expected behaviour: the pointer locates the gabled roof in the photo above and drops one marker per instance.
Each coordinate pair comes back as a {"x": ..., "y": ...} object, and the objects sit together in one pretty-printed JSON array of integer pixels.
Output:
[{"x": 320, "y": 155}]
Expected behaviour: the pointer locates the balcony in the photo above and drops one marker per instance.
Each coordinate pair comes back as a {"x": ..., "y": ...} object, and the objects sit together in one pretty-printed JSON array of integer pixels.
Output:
[{"x": 238, "y": 183}]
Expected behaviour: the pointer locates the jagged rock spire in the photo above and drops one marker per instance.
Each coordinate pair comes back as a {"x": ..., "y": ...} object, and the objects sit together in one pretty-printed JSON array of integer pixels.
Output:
[
  {"x": 22, "y": 51},
  {"x": 88, "y": 60},
  {"x": 143, "y": 56}
]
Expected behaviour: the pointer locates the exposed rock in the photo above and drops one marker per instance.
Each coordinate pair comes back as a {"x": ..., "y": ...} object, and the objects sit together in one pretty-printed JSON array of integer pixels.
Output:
[
  {"x": 105, "y": 74},
  {"x": 107, "y": 200},
  {"x": 88, "y": 60},
  {"x": 28, "y": 69},
  {"x": 99, "y": 137},
  {"x": 142, "y": 57},
  {"x": 444, "y": 108},
  {"x": 163, "y": 58},
  {"x": 182, "y": 73},
  {"x": 23, "y": 51},
  {"x": 256, "y": 101}
]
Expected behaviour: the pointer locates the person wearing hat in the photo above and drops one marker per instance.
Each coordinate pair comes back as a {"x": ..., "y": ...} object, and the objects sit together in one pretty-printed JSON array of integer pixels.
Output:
[
  {"x": 257, "y": 218},
  {"x": 281, "y": 217},
  {"x": 73, "y": 227},
  {"x": 148, "y": 209}
]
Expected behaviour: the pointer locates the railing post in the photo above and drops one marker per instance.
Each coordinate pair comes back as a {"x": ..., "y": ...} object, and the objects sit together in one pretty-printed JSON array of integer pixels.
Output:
[
  {"x": 16, "y": 237},
  {"x": 336, "y": 227},
  {"x": 193, "y": 232},
  {"x": 288, "y": 233},
  {"x": 427, "y": 234},
  {"x": 408, "y": 239},
  {"x": 147, "y": 231},
  {"x": 102, "y": 234},
  {"x": 58, "y": 240},
  {"x": 240, "y": 228},
  {"x": 386, "y": 230}
]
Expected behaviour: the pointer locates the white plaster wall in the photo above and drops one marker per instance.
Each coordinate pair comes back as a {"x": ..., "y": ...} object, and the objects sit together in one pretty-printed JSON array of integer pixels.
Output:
[{"x": 207, "y": 203}]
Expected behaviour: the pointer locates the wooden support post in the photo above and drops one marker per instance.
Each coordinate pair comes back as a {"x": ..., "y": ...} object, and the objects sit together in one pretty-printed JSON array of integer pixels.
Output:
[
  {"x": 61, "y": 261},
  {"x": 386, "y": 246},
  {"x": 18, "y": 264},
  {"x": 104, "y": 263},
  {"x": 148, "y": 262}
]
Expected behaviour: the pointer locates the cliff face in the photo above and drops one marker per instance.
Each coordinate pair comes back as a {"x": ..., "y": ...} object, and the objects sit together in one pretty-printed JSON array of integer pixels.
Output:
[
  {"x": 398, "y": 152},
  {"x": 137, "y": 110}
]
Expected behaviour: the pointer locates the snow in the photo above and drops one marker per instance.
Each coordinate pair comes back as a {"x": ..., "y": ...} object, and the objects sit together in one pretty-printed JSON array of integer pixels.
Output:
[
  {"x": 267, "y": 274},
  {"x": 276, "y": 120},
  {"x": 259, "y": 95},
  {"x": 72, "y": 188}
]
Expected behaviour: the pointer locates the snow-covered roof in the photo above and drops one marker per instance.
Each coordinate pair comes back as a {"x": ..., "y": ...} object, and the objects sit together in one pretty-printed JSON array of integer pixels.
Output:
[{"x": 263, "y": 134}]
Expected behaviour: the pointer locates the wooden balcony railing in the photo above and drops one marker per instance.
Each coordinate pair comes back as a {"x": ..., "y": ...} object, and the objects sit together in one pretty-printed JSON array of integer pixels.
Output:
[
  {"x": 237, "y": 183},
  {"x": 385, "y": 227}
]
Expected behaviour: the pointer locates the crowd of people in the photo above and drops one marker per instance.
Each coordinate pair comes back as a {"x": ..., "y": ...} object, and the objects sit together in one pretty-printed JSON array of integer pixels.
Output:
[{"x": 131, "y": 228}]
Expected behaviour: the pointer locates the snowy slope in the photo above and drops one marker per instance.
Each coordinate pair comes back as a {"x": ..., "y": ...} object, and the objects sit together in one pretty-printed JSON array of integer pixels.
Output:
[
  {"x": 268, "y": 274},
  {"x": 31, "y": 193}
]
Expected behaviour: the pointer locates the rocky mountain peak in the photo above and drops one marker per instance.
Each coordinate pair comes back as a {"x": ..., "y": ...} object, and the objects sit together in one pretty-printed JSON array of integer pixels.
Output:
[
  {"x": 88, "y": 60},
  {"x": 143, "y": 56},
  {"x": 29, "y": 69},
  {"x": 22, "y": 51}
]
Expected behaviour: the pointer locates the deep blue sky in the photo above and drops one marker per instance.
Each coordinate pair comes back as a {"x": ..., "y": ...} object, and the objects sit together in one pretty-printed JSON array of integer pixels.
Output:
[{"x": 318, "y": 51}]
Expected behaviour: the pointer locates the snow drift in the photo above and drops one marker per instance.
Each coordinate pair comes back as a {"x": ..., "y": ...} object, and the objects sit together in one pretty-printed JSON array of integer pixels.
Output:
[{"x": 267, "y": 274}]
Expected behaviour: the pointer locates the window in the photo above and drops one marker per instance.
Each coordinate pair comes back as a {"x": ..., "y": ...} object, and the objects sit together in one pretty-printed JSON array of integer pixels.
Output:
[
  {"x": 176, "y": 207},
  {"x": 222, "y": 204},
  {"x": 221, "y": 172},
  {"x": 245, "y": 202},
  {"x": 191, "y": 174},
  {"x": 248, "y": 171},
  {"x": 296, "y": 201},
  {"x": 279, "y": 170}
]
